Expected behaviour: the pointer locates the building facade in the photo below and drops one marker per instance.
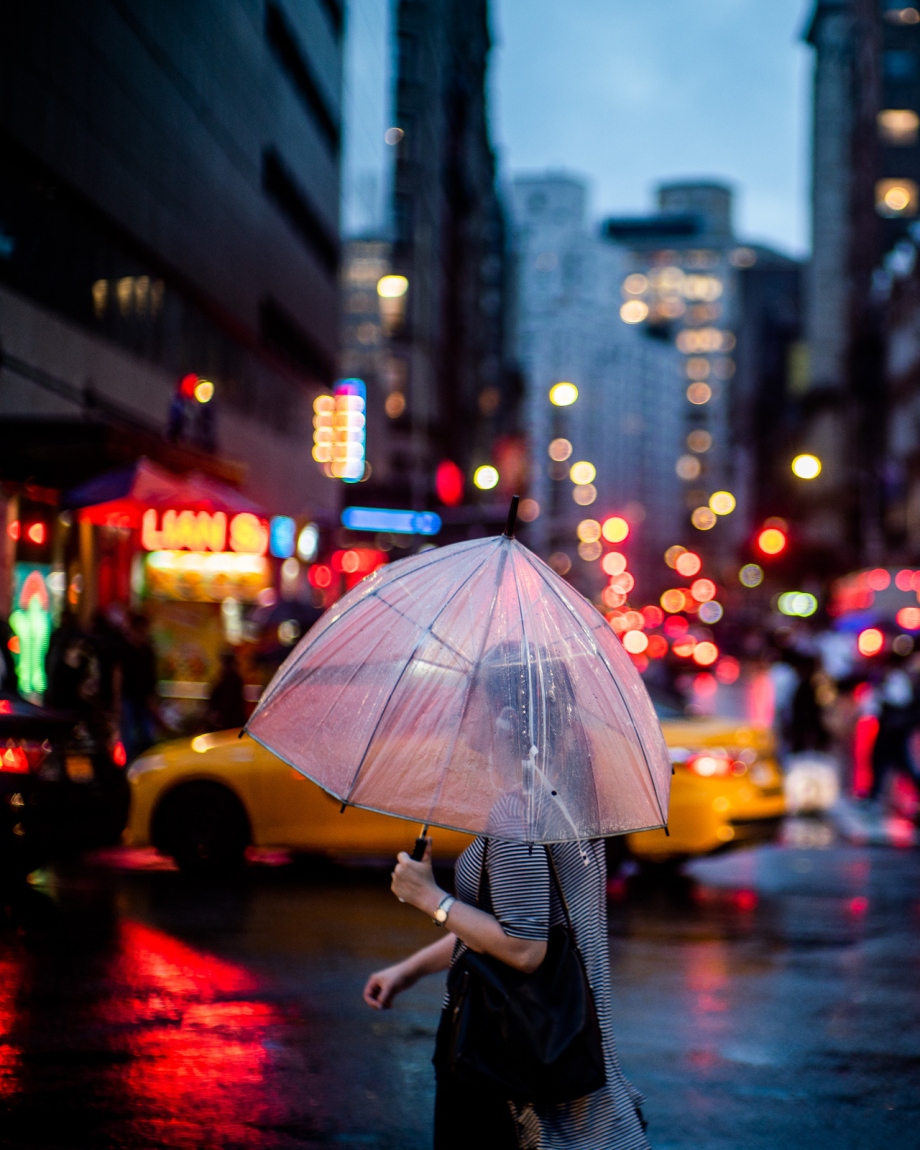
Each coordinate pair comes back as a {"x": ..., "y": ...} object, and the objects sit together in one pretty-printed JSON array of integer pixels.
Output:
[
  {"x": 169, "y": 205},
  {"x": 169, "y": 255},
  {"x": 865, "y": 198},
  {"x": 626, "y": 422}
]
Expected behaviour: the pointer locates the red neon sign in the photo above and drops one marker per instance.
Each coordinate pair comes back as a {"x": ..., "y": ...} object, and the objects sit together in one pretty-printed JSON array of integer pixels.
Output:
[{"x": 246, "y": 533}]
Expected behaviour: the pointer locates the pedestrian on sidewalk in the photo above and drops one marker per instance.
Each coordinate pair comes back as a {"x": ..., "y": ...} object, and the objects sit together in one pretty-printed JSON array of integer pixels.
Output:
[{"x": 507, "y": 900}]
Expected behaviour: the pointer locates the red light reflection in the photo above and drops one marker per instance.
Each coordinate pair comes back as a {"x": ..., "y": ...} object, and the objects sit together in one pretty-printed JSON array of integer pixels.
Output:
[
  {"x": 198, "y": 1042},
  {"x": 10, "y": 1054}
]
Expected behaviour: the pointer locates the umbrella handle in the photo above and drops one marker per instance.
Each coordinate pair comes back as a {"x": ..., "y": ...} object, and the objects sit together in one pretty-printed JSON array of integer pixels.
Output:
[
  {"x": 421, "y": 845},
  {"x": 512, "y": 517}
]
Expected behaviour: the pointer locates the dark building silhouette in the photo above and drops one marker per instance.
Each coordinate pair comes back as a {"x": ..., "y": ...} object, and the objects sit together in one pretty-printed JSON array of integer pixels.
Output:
[
  {"x": 169, "y": 192},
  {"x": 865, "y": 201},
  {"x": 447, "y": 356}
]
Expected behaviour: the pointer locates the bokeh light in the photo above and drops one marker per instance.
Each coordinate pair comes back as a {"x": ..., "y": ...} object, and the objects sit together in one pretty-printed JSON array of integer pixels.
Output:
[
  {"x": 673, "y": 554},
  {"x": 563, "y": 394},
  {"x": 657, "y": 647},
  {"x": 797, "y": 603},
  {"x": 634, "y": 311},
  {"x": 806, "y": 466},
  {"x": 485, "y": 477},
  {"x": 722, "y": 502},
  {"x": 585, "y": 495},
  {"x": 588, "y": 531},
  {"x": 751, "y": 575},
  {"x": 675, "y": 626},
  {"x": 688, "y": 467},
  {"x": 204, "y": 391},
  {"x": 705, "y": 653},
  {"x": 711, "y": 612},
  {"x": 392, "y": 287},
  {"x": 909, "y": 618},
  {"x": 589, "y": 551},
  {"x": 878, "y": 579},
  {"x": 635, "y": 284},
  {"x": 728, "y": 669},
  {"x": 703, "y": 590},
  {"x": 688, "y": 563},
  {"x": 771, "y": 541},
  {"x": 560, "y": 562},
  {"x": 652, "y": 616},
  {"x": 614, "y": 563},
  {"x": 612, "y": 597},
  {"x": 699, "y": 393},
  {"x": 703, "y": 518},
  {"x": 623, "y": 583},
  {"x": 529, "y": 510},
  {"x": 683, "y": 647},
  {"x": 616, "y": 529},
  {"x": 870, "y": 642},
  {"x": 672, "y": 600},
  {"x": 699, "y": 440},
  {"x": 635, "y": 642},
  {"x": 560, "y": 450},
  {"x": 582, "y": 473}
]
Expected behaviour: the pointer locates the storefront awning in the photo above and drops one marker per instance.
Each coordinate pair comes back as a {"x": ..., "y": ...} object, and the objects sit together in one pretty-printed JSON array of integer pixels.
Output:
[{"x": 120, "y": 498}]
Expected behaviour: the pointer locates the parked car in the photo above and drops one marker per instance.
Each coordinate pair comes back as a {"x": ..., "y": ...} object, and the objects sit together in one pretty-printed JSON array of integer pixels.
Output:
[
  {"x": 204, "y": 800},
  {"x": 61, "y": 787}
]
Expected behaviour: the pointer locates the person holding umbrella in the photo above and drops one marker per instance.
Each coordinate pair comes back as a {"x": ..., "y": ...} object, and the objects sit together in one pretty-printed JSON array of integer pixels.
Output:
[
  {"x": 523, "y": 903},
  {"x": 472, "y": 688}
]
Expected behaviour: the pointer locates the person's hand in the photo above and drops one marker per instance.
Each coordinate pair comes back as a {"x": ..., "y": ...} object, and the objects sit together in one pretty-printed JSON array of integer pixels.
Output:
[
  {"x": 413, "y": 882},
  {"x": 383, "y": 986}
]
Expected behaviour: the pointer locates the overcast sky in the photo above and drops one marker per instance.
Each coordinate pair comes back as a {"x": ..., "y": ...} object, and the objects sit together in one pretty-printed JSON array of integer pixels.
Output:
[{"x": 630, "y": 92}]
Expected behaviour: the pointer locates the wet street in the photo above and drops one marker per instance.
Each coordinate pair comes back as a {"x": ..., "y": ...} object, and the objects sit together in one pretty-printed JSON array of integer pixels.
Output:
[{"x": 767, "y": 999}]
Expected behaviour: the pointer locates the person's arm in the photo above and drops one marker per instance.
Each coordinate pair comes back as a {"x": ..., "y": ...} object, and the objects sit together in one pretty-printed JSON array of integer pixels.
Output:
[
  {"x": 414, "y": 883},
  {"x": 383, "y": 985}
]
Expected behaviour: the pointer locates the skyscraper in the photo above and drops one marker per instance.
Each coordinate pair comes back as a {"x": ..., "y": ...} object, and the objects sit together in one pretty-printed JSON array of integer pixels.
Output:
[{"x": 626, "y": 422}]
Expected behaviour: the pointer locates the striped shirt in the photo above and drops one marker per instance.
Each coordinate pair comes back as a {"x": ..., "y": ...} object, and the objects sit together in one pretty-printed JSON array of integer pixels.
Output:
[{"x": 525, "y": 902}]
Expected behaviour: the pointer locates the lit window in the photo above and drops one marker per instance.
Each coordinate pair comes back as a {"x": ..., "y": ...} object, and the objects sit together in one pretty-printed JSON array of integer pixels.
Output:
[
  {"x": 897, "y": 127},
  {"x": 895, "y": 198},
  {"x": 634, "y": 311}
]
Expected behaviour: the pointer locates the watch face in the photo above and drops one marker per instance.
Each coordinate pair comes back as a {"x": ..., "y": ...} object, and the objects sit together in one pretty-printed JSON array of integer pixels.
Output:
[{"x": 441, "y": 914}]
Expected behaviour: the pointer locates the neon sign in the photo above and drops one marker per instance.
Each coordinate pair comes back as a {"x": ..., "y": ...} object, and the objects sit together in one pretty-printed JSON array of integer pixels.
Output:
[{"x": 203, "y": 531}]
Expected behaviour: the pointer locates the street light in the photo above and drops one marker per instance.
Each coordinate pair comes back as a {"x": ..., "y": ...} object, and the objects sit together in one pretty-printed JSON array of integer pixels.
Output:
[
  {"x": 563, "y": 394},
  {"x": 806, "y": 466}
]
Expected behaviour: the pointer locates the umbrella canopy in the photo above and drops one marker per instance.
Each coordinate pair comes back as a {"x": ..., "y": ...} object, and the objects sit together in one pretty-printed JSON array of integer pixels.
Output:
[{"x": 470, "y": 687}]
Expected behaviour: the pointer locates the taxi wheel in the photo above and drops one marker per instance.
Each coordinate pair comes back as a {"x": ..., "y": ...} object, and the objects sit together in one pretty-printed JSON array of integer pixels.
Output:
[{"x": 204, "y": 827}]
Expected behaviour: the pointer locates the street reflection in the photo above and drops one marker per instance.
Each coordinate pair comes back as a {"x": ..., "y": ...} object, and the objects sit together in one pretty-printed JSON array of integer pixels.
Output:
[{"x": 196, "y": 1040}]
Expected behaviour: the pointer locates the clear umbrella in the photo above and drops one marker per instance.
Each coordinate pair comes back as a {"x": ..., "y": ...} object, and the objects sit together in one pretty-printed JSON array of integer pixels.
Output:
[{"x": 470, "y": 687}]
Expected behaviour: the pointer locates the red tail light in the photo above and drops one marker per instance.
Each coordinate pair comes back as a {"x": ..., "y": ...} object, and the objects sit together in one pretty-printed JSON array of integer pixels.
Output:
[
  {"x": 22, "y": 757},
  {"x": 709, "y": 766},
  {"x": 119, "y": 754}
]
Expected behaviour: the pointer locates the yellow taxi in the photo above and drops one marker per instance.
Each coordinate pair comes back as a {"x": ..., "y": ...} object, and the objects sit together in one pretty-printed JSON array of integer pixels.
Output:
[{"x": 204, "y": 800}]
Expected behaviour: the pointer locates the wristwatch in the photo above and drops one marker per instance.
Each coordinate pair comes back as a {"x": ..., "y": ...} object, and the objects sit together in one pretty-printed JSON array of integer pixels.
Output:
[{"x": 444, "y": 907}]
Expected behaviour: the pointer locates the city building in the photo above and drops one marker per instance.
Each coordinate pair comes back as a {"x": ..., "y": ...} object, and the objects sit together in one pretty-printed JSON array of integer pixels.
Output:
[
  {"x": 612, "y": 451},
  {"x": 450, "y": 391},
  {"x": 731, "y": 310},
  {"x": 865, "y": 198},
  {"x": 169, "y": 252}
]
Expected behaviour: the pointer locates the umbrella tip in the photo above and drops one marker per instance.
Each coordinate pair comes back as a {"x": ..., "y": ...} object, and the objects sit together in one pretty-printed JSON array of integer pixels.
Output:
[{"x": 512, "y": 516}]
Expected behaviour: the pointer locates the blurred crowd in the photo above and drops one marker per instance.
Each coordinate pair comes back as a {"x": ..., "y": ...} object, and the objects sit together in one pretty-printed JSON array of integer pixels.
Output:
[{"x": 106, "y": 676}]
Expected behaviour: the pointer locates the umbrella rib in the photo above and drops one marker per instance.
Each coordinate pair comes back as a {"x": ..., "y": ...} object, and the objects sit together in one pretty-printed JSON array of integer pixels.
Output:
[
  {"x": 543, "y": 772},
  {"x": 603, "y": 659},
  {"x": 428, "y": 630},
  {"x": 528, "y": 673},
  {"x": 469, "y": 684}
]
